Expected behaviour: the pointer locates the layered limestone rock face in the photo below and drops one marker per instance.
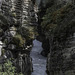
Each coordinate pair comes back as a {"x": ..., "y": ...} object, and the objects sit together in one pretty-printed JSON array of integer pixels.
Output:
[
  {"x": 26, "y": 10},
  {"x": 29, "y": 13},
  {"x": 11, "y": 17},
  {"x": 18, "y": 12},
  {"x": 29, "y": 18},
  {"x": 6, "y": 14}
]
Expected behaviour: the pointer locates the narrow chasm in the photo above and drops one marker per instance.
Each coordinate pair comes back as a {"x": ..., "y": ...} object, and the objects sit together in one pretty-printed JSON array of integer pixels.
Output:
[{"x": 37, "y": 37}]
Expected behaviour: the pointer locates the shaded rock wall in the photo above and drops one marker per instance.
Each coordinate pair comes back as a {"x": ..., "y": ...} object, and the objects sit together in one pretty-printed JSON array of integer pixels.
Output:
[{"x": 58, "y": 27}]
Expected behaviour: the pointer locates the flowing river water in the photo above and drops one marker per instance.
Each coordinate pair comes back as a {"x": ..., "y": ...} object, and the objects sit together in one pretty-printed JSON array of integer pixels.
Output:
[{"x": 39, "y": 62}]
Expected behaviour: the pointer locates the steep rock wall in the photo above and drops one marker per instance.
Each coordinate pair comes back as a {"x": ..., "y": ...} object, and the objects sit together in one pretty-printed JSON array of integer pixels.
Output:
[
  {"x": 11, "y": 17},
  {"x": 57, "y": 26}
]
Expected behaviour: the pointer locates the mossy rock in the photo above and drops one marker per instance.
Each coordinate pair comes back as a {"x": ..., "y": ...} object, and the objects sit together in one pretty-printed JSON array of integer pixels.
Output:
[
  {"x": 18, "y": 40},
  {"x": 57, "y": 26},
  {"x": 27, "y": 32},
  {"x": 3, "y": 52},
  {"x": 56, "y": 22}
]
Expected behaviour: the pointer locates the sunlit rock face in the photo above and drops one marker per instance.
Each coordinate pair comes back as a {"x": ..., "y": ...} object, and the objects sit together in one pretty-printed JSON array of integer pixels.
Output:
[
  {"x": 30, "y": 11},
  {"x": 13, "y": 5},
  {"x": 28, "y": 17}
]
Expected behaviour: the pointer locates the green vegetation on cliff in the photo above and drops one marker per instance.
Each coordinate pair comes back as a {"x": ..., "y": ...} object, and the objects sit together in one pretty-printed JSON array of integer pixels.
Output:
[
  {"x": 8, "y": 69},
  {"x": 58, "y": 25},
  {"x": 59, "y": 22}
]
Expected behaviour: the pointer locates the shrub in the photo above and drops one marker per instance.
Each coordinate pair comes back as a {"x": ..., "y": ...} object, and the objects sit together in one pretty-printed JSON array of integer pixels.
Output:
[{"x": 8, "y": 69}]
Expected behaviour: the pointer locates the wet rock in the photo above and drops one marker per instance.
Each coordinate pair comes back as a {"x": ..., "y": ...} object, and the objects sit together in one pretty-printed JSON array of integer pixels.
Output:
[
  {"x": 48, "y": 65},
  {"x": 24, "y": 64},
  {"x": 45, "y": 45}
]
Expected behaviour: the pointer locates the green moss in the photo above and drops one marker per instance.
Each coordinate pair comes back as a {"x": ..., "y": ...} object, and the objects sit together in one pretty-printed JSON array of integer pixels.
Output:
[
  {"x": 57, "y": 26},
  {"x": 18, "y": 40},
  {"x": 27, "y": 32},
  {"x": 9, "y": 69},
  {"x": 52, "y": 21},
  {"x": 3, "y": 51}
]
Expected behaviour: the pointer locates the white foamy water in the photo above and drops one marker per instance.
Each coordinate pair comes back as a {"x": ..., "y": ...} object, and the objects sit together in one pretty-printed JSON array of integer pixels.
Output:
[{"x": 39, "y": 62}]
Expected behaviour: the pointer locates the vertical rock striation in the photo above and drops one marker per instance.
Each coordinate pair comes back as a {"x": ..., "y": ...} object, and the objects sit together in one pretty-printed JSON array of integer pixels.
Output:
[{"x": 13, "y": 13}]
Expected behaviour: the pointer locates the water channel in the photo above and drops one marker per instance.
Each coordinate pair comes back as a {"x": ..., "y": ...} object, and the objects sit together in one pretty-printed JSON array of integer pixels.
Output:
[{"x": 39, "y": 62}]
